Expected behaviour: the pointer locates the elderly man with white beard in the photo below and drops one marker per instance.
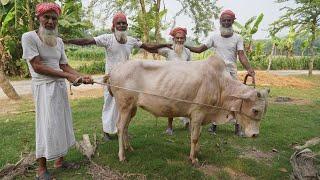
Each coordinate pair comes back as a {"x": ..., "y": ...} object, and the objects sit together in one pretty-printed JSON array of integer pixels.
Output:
[
  {"x": 118, "y": 47},
  {"x": 178, "y": 53},
  {"x": 49, "y": 68},
  {"x": 227, "y": 44}
]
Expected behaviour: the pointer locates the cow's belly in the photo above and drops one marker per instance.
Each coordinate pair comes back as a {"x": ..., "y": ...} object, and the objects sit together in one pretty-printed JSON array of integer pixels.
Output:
[{"x": 161, "y": 107}]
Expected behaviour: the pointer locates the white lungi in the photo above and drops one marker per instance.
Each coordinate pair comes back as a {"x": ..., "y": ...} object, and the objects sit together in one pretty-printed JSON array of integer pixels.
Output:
[
  {"x": 109, "y": 113},
  {"x": 54, "y": 130}
]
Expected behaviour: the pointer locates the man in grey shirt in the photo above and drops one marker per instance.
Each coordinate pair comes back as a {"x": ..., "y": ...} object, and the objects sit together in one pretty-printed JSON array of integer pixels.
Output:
[{"x": 227, "y": 45}]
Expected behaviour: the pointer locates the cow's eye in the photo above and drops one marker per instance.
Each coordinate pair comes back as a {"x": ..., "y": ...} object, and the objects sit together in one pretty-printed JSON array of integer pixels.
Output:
[{"x": 255, "y": 111}]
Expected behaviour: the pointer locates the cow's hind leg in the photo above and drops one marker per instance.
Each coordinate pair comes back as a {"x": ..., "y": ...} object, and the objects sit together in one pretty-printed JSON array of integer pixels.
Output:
[
  {"x": 123, "y": 121},
  {"x": 127, "y": 145},
  {"x": 195, "y": 134}
]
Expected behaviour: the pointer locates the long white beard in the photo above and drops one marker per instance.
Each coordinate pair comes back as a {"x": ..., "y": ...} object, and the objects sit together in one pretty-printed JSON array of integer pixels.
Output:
[
  {"x": 178, "y": 48},
  {"x": 49, "y": 37},
  {"x": 121, "y": 36},
  {"x": 226, "y": 31}
]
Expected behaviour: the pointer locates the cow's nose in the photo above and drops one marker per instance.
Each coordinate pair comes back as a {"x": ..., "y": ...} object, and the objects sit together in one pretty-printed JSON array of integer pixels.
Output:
[{"x": 255, "y": 135}]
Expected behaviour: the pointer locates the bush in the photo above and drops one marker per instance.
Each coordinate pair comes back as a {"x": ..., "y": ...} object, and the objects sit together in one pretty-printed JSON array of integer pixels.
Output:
[
  {"x": 97, "y": 67},
  {"x": 284, "y": 63},
  {"x": 85, "y": 53}
]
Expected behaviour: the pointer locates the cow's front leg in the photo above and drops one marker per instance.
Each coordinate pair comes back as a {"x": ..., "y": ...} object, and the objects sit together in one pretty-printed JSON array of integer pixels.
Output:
[{"x": 195, "y": 134}]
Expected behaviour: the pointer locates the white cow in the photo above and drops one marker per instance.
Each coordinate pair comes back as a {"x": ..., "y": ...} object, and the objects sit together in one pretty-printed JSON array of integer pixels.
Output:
[{"x": 166, "y": 89}]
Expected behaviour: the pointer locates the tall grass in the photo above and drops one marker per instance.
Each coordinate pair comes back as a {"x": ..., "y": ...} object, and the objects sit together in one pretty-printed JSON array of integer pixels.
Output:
[{"x": 85, "y": 53}]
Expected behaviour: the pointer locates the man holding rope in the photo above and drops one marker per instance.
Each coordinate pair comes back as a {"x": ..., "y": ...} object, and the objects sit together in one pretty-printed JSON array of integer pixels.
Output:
[
  {"x": 227, "y": 45},
  {"x": 48, "y": 65},
  {"x": 118, "y": 48}
]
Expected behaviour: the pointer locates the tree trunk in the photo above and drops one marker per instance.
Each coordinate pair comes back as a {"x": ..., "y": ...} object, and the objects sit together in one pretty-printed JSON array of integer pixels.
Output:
[
  {"x": 157, "y": 26},
  {"x": 4, "y": 83},
  {"x": 30, "y": 19},
  {"x": 7, "y": 87},
  {"x": 313, "y": 38},
  {"x": 271, "y": 56},
  {"x": 145, "y": 26}
]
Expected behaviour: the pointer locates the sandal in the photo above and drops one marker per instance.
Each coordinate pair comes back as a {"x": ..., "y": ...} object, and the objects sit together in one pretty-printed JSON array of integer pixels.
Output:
[
  {"x": 44, "y": 176},
  {"x": 68, "y": 165}
]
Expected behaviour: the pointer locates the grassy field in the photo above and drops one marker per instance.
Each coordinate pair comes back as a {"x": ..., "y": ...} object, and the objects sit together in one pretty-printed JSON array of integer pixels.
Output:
[{"x": 159, "y": 156}]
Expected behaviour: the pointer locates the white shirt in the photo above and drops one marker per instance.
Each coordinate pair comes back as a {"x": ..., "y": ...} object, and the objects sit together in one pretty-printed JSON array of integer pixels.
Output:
[
  {"x": 173, "y": 56},
  {"x": 226, "y": 48},
  {"x": 50, "y": 56},
  {"x": 116, "y": 52}
]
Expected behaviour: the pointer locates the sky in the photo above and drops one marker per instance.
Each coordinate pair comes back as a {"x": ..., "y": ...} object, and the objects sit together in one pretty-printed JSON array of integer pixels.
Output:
[{"x": 244, "y": 9}]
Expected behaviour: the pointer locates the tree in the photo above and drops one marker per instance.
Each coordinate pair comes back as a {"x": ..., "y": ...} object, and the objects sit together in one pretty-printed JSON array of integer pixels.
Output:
[
  {"x": 4, "y": 83},
  {"x": 248, "y": 30},
  {"x": 148, "y": 15},
  {"x": 304, "y": 18}
]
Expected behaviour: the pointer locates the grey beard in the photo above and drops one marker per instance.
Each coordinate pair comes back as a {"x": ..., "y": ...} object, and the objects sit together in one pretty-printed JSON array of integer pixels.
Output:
[
  {"x": 49, "y": 37},
  {"x": 121, "y": 36},
  {"x": 178, "y": 49},
  {"x": 226, "y": 31}
]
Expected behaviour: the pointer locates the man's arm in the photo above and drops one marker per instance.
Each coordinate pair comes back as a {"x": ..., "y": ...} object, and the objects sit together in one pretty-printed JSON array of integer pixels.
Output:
[
  {"x": 67, "y": 68},
  {"x": 153, "y": 48},
  {"x": 81, "y": 42},
  {"x": 40, "y": 68},
  {"x": 198, "y": 49},
  {"x": 244, "y": 61}
]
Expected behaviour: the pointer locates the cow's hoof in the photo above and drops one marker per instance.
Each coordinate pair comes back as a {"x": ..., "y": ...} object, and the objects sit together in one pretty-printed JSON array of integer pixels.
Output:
[
  {"x": 122, "y": 158},
  {"x": 194, "y": 162},
  {"x": 169, "y": 132}
]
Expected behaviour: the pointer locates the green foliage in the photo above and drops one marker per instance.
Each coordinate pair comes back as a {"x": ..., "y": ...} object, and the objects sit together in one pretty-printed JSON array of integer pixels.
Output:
[
  {"x": 283, "y": 63},
  {"x": 247, "y": 31},
  {"x": 86, "y": 54},
  {"x": 97, "y": 67}
]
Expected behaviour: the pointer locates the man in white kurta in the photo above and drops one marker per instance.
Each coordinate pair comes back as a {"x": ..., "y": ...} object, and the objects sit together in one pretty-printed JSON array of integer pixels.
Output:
[
  {"x": 48, "y": 66},
  {"x": 118, "y": 48},
  {"x": 228, "y": 45},
  {"x": 178, "y": 53}
]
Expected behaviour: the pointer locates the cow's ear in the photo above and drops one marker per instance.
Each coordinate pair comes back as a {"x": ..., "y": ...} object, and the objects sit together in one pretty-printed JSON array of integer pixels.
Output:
[{"x": 235, "y": 105}]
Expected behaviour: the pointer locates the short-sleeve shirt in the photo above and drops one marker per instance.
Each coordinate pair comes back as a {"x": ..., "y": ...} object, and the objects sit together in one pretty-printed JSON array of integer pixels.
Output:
[
  {"x": 116, "y": 52},
  {"x": 50, "y": 56},
  {"x": 226, "y": 48},
  {"x": 173, "y": 56}
]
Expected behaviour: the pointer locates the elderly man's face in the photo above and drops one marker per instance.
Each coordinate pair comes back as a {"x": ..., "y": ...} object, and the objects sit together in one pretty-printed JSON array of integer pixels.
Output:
[
  {"x": 226, "y": 21},
  {"x": 49, "y": 20},
  {"x": 121, "y": 25},
  {"x": 179, "y": 38}
]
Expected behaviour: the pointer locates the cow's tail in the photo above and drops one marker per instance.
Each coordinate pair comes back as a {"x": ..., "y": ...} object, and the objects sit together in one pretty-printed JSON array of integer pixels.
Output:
[{"x": 106, "y": 80}]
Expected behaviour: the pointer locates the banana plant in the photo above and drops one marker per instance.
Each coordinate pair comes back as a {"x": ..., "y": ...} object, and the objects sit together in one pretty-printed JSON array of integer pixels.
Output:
[{"x": 248, "y": 30}]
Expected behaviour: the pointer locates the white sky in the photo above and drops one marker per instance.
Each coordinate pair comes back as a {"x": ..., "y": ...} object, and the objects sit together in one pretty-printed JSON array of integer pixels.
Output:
[{"x": 244, "y": 9}]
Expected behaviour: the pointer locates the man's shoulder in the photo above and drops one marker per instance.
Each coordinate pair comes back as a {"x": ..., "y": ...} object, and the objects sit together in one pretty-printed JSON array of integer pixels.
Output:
[
  {"x": 29, "y": 34},
  {"x": 236, "y": 35},
  {"x": 130, "y": 38}
]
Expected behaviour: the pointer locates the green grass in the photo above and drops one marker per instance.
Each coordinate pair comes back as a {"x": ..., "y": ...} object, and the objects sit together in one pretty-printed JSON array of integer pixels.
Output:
[{"x": 158, "y": 156}]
